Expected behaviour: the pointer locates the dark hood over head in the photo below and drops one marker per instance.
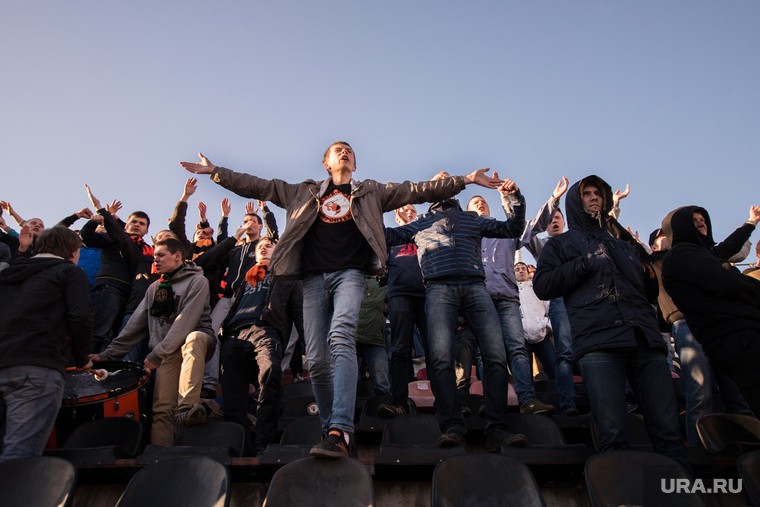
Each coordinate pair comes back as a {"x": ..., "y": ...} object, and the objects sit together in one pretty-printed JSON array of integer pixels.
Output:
[
  {"x": 445, "y": 205},
  {"x": 578, "y": 218},
  {"x": 679, "y": 227}
]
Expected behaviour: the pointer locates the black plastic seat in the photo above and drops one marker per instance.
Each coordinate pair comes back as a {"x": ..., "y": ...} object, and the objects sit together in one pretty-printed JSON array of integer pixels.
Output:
[
  {"x": 636, "y": 478},
  {"x": 291, "y": 391},
  {"x": 296, "y": 442},
  {"x": 369, "y": 421},
  {"x": 729, "y": 434},
  {"x": 546, "y": 444},
  {"x": 219, "y": 440},
  {"x": 101, "y": 442},
  {"x": 748, "y": 466},
  {"x": 321, "y": 482},
  {"x": 39, "y": 481},
  {"x": 484, "y": 480},
  {"x": 196, "y": 481},
  {"x": 298, "y": 406},
  {"x": 412, "y": 440}
]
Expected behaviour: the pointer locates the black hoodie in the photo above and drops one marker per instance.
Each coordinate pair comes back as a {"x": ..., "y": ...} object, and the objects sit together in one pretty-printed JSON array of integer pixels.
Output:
[
  {"x": 47, "y": 314},
  {"x": 716, "y": 299},
  {"x": 600, "y": 277}
]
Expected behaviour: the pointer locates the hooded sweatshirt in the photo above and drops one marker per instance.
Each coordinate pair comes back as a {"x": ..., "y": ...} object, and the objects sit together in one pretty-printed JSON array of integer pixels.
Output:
[
  {"x": 716, "y": 299},
  {"x": 599, "y": 276},
  {"x": 47, "y": 313},
  {"x": 167, "y": 334}
]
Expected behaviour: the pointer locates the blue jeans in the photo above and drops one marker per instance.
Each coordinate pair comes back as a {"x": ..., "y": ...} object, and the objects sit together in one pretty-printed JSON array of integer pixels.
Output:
[
  {"x": 605, "y": 372},
  {"x": 563, "y": 358},
  {"x": 514, "y": 339},
  {"x": 108, "y": 305},
  {"x": 442, "y": 307},
  {"x": 376, "y": 358},
  {"x": 331, "y": 303},
  {"x": 404, "y": 312},
  {"x": 697, "y": 378},
  {"x": 32, "y": 397},
  {"x": 544, "y": 351}
]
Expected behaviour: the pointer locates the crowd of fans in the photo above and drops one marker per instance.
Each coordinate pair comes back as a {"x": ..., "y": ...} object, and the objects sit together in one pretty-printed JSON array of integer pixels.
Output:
[{"x": 209, "y": 315}]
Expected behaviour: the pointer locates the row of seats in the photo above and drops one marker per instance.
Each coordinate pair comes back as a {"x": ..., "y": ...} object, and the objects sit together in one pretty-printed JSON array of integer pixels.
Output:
[{"x": 614, "y": 478}]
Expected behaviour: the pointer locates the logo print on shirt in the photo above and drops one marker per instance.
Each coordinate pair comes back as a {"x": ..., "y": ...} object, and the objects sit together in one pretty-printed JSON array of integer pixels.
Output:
[{"x": 335, "y": 207}]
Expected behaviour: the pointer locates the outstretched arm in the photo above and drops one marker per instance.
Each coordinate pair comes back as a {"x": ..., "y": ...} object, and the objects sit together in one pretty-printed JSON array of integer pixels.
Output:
[
  {"x": 203, "y": 167},
  {"x": 9, "y": 209},
  {"x": 616, "y": 197}
]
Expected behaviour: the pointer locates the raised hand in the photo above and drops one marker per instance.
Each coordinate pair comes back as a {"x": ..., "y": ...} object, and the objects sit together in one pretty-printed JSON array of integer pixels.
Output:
[
  {"x": 94, "y": 200},
  {"x": 226, "y": 207},
  {"x": 204, "y": 167},
  {"x": 239, "y": 232},
  {"x": 25, "y": 238},
  {"x": 190, "y": 187},
  {"x": 508, "y": 187},
  {"x": 114, "y": 207},
  {"x": 262, "y": 204},
  {"x": 98, "y": 219},
  {"x": 754, "y": 214},
  {"x": 561, "y": 188},
  {"x": 202, "y": 211},
  {"x": 479, "y": 177},
  {"x": 250, "y": 209},
  {"x": 621, "y": 195}
]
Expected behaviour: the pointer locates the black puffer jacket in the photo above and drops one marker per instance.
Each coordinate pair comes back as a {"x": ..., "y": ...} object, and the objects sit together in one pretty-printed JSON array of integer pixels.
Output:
[
  {"x": 716, "y": 299},
  {"x": 600, "y": 277},
  {"x": 47, "y": 314}
]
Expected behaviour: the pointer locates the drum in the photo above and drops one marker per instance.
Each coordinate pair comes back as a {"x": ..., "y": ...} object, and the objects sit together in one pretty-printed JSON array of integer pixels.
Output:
[{"x": 121, "y": 394}]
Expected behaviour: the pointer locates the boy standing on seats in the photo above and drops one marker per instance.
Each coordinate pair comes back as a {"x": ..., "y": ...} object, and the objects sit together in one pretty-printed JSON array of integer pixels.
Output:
[
  {"x": 334, "y": 237},
  {"x": 175, "y": 312},
  {"x": 252, "y": 348}
]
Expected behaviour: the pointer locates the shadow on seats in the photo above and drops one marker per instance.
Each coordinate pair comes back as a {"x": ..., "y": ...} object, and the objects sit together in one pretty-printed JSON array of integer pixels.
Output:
[
  {"x": 219, "y": 440},
  {"x": 370, "y": 421},
  {"x": 636, "y": 478},
  {"x": 39, "y": 481},
  {"x": 486, "y": 480},
  {"x": 729, "y": 434},
  {"x": 297, "y": 440},
  {"x": 195, "y": 481},
  {"x": 546, "y": 444},
  {"x": 410, "y": 445},
  {"x": 639, "y": 438},
  {"x": 101, "y": 442},
  {"x": 321, "y": 482}
]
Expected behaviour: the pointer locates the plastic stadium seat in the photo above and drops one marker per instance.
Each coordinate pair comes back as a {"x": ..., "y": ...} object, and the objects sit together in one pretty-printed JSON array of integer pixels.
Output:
[
  {"x": 39, "y": 481},
  {"x": 546, "y": 444},
  {"x": 729, "y": 434},
  {"x": 220, "y": 440},
  {"x": 321, "y": 482},
  {"x": 101, "y": 442},
  {"x": 297, "y": 440},
  {"x": 196, "y": 481},
  {"x": 634, "y": 478},
  {"x": 748, "y": 466},
  {"x": 484, "y": 480}
]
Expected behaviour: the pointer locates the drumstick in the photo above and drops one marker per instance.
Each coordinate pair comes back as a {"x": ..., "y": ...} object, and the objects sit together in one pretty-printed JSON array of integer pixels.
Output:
[{"x": 100, "y": 374}]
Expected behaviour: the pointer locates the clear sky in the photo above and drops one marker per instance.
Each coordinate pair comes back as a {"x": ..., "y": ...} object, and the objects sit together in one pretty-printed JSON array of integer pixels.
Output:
[{"x": 659, "y": 94}]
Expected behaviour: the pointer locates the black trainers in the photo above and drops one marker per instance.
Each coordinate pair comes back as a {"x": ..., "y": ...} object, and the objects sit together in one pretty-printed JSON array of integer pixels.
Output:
[
  {"x": 390, "y": 411},
  {"x": 190, "y": 417},
  {"x": 535, "y": 406},
  {"x": 499, "y": 435},
  {"x": 451, "y": 439},
  {"x": 334, "y": 445}
]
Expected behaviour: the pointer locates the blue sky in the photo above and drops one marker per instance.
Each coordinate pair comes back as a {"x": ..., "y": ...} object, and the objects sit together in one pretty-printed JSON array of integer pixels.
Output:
[{"x": 659, "y": 94}]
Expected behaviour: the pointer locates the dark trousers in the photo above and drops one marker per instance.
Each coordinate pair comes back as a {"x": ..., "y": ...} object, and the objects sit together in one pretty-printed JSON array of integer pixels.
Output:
[
  {"x": 738, "y": 356},
  {"x": 253, "y": 356},
  {"x": 405, "y": 312}
]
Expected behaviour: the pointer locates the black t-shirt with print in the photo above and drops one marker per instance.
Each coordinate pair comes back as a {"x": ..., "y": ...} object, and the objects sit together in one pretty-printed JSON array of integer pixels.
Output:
[{"x": 333, "y": 242}]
